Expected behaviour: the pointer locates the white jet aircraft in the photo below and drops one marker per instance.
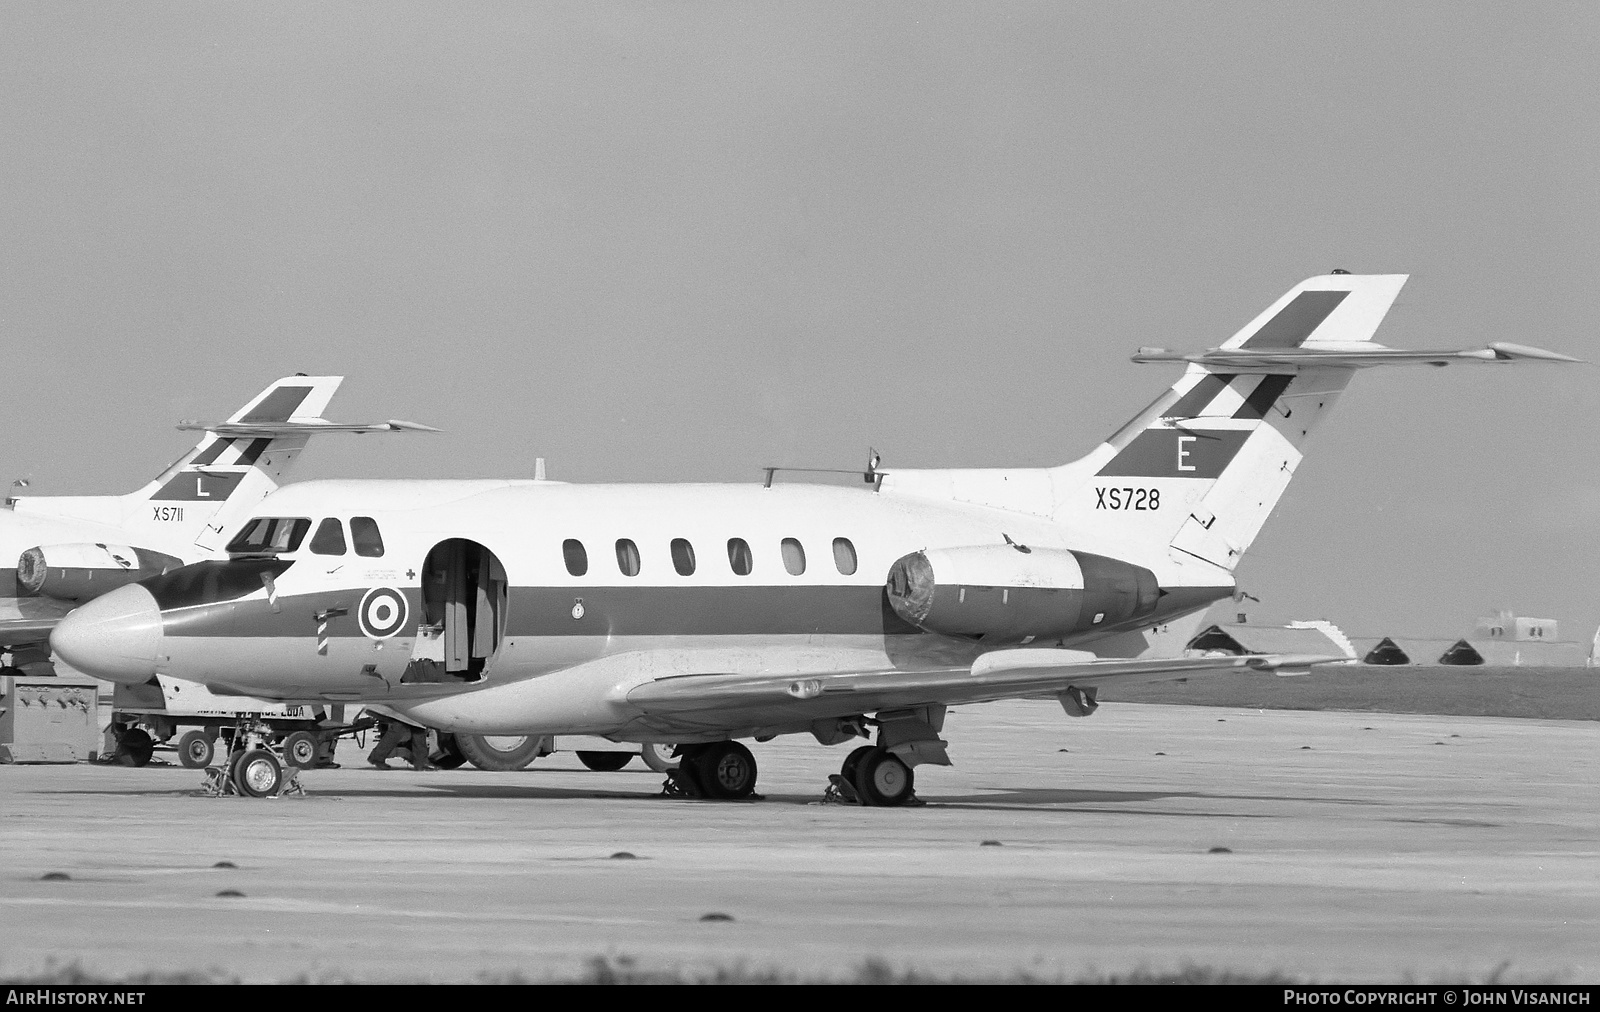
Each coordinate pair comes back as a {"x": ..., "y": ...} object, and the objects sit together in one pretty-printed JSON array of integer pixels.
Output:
[
  {"x": 65, "y": 550},
  {"x": 702, "y": 614}
]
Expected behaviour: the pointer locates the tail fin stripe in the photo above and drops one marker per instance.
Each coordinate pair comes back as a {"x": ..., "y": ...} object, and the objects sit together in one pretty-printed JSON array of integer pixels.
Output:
[
  {"x": 1295, "y": 322},
  {"x": 1199, "y": 396},
  {"x": 1265, "y": 395},
  {"x": 253, "y": 452},
  {"x": 1177, "y": 453},
  {"x": 199, "y": 486},
  {"x": 210, "y": 454},
  {"x": 278, "y": 406}
]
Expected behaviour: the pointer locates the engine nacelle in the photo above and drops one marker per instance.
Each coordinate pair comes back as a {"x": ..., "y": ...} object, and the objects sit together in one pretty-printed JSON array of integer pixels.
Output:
[
  {"x": 1011, "y": 593},
  {"x": 78, "y": 572}
]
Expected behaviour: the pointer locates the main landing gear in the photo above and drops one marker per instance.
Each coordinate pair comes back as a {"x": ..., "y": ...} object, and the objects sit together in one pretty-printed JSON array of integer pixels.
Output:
[
  {"x": 872, "y": 775},
  {"x": 719, "y": 770}
]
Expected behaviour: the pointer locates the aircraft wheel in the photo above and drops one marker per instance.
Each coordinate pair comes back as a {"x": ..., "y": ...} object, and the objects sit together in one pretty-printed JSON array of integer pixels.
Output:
[
  {"x": 257, "y": 773},
  {"x": 727, "y": 770},
  {"x": 449, "y": 756},
  {"x": 852, "y": 762},
  {"x": 500, "y": 753},
  {"x": 196, "y": 749},
  {"x": 658, "y": 757},
  {"x": 882, "y": 779},
  {"x": 605, "y": 762},
  {"x": 135, "y": 748},
  {"x": 300, "y": 750}
]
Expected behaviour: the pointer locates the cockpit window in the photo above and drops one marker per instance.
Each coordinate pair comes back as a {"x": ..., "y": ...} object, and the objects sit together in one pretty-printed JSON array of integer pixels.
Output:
[
  {"x": 368, "y": 541},
  {"x": 269, "y": 536},
  {"x": 329, "y": 539}
]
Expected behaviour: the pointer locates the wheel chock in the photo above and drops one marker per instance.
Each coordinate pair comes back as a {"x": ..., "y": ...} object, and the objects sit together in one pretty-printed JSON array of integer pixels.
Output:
[
  {"x": 840, "y": 792},
  {"x": 682, "y": 783},
  {"x": 217, "y": 783}
]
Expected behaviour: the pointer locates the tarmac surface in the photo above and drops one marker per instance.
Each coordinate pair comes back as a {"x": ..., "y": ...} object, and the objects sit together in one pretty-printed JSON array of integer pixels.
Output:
[{"x": 1362, "y": 848}]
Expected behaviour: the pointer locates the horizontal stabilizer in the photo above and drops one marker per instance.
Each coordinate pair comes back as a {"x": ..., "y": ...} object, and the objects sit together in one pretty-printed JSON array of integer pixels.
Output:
[
  {"x": 305, "y": 426},
  {"x": 1351, "y": 355},
  {"x": 293, "y": 406}
]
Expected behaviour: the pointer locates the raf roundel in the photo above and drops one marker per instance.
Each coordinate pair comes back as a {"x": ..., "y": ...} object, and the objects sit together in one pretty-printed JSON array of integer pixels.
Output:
[{"x": 383, "y": 612}]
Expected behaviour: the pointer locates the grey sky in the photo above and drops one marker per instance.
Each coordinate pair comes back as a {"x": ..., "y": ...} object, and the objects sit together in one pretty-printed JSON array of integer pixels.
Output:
[{"x": 681, "y": 241}]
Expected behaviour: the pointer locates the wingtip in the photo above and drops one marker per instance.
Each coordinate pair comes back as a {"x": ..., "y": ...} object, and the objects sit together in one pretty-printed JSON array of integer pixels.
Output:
[
  {"x": 1506, "y": 350},
  {"x": 1147, "y": 355},
  {"x": 403, "y": 426},
  {"x": 1275, "y": 662}
]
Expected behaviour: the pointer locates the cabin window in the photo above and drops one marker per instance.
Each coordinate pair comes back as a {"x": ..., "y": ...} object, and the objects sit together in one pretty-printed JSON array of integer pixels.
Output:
[
  {"x": 329, "y": 539},
  {"x": 682, "y": 557},
  {"x": 794, "y": 557},
  {"x": 627, "y": 557},
  {"x": 577, "y": 558},
  {"x": 368, "y": 541},
  {"x": 739, "y": 556},
  {"x": 844, "y": 556},
  {"x": 270, "y": 535}
]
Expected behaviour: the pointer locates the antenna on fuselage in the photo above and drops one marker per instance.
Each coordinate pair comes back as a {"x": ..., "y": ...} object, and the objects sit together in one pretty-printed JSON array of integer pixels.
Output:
[
  {"x": 871, "y": 476},
  {"x": 538, "y": 469}
]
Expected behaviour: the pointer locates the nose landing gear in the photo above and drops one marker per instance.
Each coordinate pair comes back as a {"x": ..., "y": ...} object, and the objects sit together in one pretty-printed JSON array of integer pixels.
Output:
[{"x": 252, "y": 768}]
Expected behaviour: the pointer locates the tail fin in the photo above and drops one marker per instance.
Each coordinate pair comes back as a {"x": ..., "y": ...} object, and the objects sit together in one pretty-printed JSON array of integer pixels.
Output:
[
  {"x": 230, "y": 470},
  {"x": 233, "y": 467},
  {"x": 1196, "y": 474}
]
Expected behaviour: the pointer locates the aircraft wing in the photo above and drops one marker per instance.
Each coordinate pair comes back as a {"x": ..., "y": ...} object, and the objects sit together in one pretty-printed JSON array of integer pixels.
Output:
[
  {"x": 29, "y": 620},
  {"x": 1003, "y": 674},
  {"x": 1348, "y": 355}
]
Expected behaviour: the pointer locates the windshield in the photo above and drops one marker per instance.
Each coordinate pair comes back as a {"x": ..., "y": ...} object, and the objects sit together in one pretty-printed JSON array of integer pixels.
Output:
[{"x": 269, "y": 536}]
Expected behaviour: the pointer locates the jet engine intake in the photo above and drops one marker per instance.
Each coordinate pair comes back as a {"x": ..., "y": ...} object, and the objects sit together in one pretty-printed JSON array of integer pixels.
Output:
[
  {"x": 1005, "y": 593},
  {"x": 80, "y": 572}
]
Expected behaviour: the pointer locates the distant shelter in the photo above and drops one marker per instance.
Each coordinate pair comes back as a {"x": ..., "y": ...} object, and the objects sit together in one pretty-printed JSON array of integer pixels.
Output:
[
  {"x": 1321, "y": 639},
  {"x": 1500, "y": 640}
]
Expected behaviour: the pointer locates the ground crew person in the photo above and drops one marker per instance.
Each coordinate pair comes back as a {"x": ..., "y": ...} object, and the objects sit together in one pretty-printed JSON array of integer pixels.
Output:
[{"x": 397, "y": 735}]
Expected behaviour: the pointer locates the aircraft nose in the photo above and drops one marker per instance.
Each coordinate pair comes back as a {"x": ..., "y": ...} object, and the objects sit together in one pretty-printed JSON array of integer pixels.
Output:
[{"x": 115, "y": 637}]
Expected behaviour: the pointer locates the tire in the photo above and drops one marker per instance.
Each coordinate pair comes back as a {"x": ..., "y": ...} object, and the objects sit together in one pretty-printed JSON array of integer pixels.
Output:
[
  {"x": 300, "y": 750},
  {"x": 605, "y": 762},
  {"x": 883, "y": 780},
  {"x": 500, "y": 754},
  {"x": 727, "y": 770},
  {"x": 658, "y": 757},
  {"x": 852, "y": 762},
  {"x": 449, "y": 756},
  {"x": 135, "y": 748},
  {"x": 257, "y": 773},
  {"x": 196, "y": 749}
]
